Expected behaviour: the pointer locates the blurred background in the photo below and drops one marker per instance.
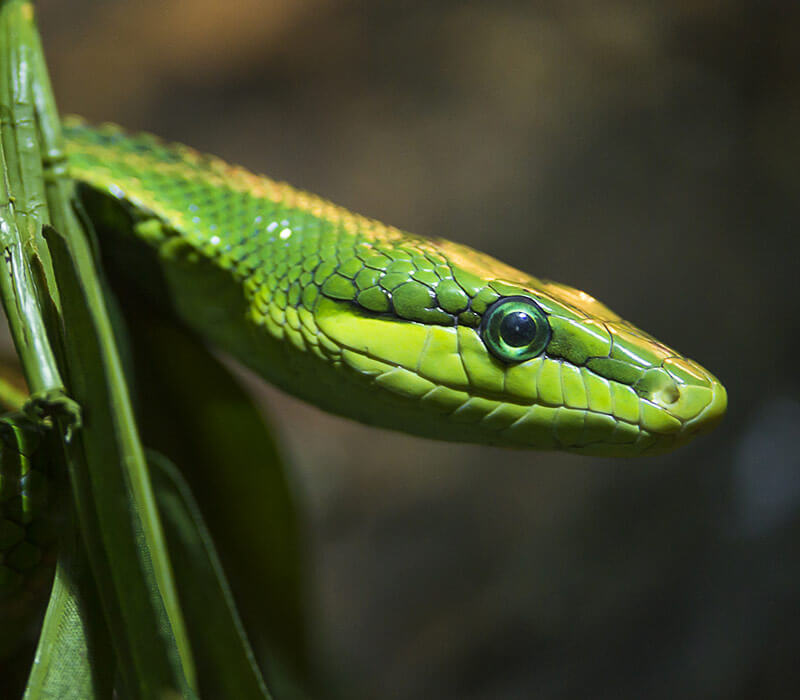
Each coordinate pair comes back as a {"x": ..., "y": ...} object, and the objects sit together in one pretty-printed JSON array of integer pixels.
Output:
[{"x": 645, "y": 152}]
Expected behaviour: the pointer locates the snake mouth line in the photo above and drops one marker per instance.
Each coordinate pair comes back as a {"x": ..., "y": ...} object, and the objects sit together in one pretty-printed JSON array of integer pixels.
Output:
[{"x": 642, "y": 434}]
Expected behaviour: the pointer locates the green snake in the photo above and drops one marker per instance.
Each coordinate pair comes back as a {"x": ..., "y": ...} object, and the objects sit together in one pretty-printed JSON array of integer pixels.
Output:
[
  {"x": 416, "y": 334},
  {"x": 396, "y": 330}
]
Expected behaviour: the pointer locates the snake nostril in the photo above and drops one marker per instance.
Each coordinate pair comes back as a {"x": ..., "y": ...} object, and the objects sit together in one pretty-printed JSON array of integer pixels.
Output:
[
  {"x": 658, "y": 386},
  {"x": 668, "y": 394}
]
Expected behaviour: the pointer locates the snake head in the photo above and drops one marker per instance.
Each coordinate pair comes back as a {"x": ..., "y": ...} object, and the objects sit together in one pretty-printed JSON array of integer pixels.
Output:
[
  {"x": 420, "y": 335},
  {"x": 464, "y": 347},
  {"x": 416, "y": 334},
  {"x": 604, "y": 386}
]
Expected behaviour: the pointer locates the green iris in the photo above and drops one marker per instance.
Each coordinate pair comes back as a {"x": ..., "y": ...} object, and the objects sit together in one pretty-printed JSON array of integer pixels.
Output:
[{"x": 515, "y": 329}]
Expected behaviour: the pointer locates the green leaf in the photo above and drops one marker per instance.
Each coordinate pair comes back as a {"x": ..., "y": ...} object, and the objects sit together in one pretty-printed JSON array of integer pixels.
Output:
[
  {"x": 196, "y": 412},
  {"x": 226, "y": 666},
  {"x": 74, "y": 659},
  {"x": 113, "y": 496},
  {"x": 111, "y": 490}
]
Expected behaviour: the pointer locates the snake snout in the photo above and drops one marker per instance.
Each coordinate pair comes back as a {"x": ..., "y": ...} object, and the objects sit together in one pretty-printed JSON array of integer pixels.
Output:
[
  {"x": 711, "y": 414},
  {"x": 688, "y": 393}
]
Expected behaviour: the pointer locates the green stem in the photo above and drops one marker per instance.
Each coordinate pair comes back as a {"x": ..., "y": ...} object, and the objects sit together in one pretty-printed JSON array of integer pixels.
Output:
[
  {"x": 60, "y": 192},
  {"x": 51, "y": 284},
  {"x": 23, "y": 212}
]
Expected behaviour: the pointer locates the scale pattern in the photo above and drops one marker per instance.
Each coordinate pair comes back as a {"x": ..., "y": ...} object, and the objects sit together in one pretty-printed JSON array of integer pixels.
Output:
[
  {"x": 27, "y": 529},
  {"x": 286, "y": 246},
  {"x": 602, "y": 385}
]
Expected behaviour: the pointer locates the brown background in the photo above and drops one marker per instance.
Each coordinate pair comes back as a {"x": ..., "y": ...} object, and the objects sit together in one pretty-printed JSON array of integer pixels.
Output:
[{"x": 646, "y": 152}]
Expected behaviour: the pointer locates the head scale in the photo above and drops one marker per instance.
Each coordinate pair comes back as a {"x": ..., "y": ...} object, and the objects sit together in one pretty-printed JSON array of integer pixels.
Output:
[{"x": 460, "y": 346}]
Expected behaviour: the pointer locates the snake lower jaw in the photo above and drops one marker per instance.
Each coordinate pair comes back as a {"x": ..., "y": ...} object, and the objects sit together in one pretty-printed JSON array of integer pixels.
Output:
[{"x": 661, "y": 438}]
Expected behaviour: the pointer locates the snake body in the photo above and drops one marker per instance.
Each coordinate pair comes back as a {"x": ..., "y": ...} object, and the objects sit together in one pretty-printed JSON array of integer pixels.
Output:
[
  {"x": 376, "y": 324},
  {"x": 29, "y": 519},
  {"x": 392, "y": 329}
]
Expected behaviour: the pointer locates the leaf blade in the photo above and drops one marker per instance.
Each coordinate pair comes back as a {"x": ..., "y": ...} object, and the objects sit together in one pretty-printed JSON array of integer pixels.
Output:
[{"x": 226, "y": 665}]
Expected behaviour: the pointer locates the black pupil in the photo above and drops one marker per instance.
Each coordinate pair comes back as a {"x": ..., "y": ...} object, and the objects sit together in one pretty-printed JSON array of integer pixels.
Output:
[{"x": 517, "y": 329}]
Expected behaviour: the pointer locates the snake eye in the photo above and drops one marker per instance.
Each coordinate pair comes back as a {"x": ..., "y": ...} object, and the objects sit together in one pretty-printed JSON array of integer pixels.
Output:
[{"x": 515, "y": 329}]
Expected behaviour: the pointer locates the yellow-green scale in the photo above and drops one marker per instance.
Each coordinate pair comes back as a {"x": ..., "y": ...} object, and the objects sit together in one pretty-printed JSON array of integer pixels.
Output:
[
  {"x": 238, "y": 254},
  {"x": 286, "y": 246},
  {"x": 295, "y": 261}
]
